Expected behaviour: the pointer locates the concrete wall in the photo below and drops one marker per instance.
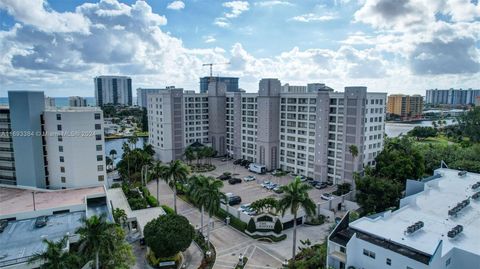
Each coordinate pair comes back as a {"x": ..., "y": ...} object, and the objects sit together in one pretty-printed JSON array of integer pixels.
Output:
[
  {"x": 216, "y": 114},
  {"x": 321, "y": 136},
  {"x": 26, "y": 109},
  {"x": 268, "y": 146}
]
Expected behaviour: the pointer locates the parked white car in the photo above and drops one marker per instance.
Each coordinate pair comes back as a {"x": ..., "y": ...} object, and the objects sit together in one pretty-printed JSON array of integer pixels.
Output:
[
  {"x": 327, "y": 196},
  {"x": 249, "y": 178}
]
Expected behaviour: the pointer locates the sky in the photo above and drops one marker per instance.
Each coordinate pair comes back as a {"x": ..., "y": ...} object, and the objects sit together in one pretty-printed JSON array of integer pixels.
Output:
[{"x": 394, "y": 46}]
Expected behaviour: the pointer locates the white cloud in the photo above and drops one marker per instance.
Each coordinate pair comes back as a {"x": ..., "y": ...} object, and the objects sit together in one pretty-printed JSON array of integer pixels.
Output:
[
  {"x": 176, "y": 5},
  {"x": 129, "y": 40},
  {"x": 33, "y": 12},
  {"x": 237, "y": 8},
  {"x": 222, "y": 22},
  {"x": 272, "y": 3},
  {"x": 209, "y": 39},
  {"x": 311, "y": 17}
]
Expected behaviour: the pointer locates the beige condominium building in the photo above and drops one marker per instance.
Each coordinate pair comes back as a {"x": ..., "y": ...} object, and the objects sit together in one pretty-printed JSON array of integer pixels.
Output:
[
  {"x": 307, "y": 132},
  {"x": 405, "y": 106}
]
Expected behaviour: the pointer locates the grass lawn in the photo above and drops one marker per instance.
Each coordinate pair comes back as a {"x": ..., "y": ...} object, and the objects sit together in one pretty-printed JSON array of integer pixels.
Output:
[{"x": 439, "y": 140}]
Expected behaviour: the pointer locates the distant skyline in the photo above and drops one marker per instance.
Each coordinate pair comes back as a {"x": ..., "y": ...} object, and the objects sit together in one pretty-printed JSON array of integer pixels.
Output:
[{"x": 402, "y": 46}]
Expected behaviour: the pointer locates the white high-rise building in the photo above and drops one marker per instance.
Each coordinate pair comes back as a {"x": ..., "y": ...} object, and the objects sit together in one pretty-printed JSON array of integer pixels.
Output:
[
  {"x": 77, "y": 101},
  {"x": 114, "y": 90},
  {"x": 307, "y": 133},
  {"x": 75, "y": 147},
  {"x": 57, "y": 147},
  {"x": 436, "y": 227}
]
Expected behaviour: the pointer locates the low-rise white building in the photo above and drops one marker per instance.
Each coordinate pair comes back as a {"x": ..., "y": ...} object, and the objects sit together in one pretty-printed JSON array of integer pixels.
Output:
[{"x": 436, "y": 226}]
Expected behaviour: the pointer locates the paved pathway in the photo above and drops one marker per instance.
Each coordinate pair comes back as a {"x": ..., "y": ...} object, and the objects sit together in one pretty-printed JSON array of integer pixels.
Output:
[{"x": 229, "y": 242}]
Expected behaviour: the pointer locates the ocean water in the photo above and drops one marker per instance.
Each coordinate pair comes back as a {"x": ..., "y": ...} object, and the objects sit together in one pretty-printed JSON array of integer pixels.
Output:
[{"x": 59, "y": 101}]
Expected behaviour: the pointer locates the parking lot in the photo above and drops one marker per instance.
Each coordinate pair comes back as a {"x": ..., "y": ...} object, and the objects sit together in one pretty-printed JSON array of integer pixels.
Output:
[{"x": 252, "y": 191}]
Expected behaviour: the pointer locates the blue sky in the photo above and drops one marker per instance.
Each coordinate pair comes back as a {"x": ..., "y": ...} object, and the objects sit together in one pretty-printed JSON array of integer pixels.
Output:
[{"x": 401, "y": 46}]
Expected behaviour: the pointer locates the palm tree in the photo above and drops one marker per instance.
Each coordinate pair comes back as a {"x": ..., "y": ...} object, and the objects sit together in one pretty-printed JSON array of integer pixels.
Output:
[
  {"x": 296, "y": 197},
  {"x": 113, "y": 154},
  {"x": 55, "y": 256},
  {"x": 353, "y": 149},
  {"x": 96, "y": 237},
  {"x": 189, "y": 155},
  {"x": 176, "y": 172},
  {"x": 198, "y": 155},
  {"x": 159, "y": 171},
  {"x": 132, "y": 140},
  {"x": 211, "y": 196},
  {"x": 126, "y": 152},
  {"x": 198, "y": 184},
  {"x": 209, "y": 153}
]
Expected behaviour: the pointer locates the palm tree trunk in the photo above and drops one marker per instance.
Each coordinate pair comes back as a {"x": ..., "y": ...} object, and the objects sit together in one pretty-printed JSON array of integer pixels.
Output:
[
  {"x": 208, "y": 230},
  {"x": 96, "y": 260},
  {"x": 201, "y": 220},
  {"x": 157, "y": 191},
  {"x": 294, "y": 235},
  {"x": 175, "y": 197}
]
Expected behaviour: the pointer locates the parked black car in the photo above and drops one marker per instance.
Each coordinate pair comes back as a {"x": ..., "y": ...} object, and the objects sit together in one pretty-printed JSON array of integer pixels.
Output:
[
  {"x": 224, "y": 177},
  {"x": 41, "y": 221},
  {"x": 3, "y": 225},
  {"x": 234, "y": 200},
  {"x": 237, "y": 162},
  {"x": 234, "y": 181},
  {"x": 321, "y": 185},
  {"x": 314, "y": 182}
]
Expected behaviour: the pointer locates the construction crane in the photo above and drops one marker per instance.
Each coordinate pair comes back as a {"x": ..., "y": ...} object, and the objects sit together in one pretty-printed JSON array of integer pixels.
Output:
[{"x": 211, "y": 66}]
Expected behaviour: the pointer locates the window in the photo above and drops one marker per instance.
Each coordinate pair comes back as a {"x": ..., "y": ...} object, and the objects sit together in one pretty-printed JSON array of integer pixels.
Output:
[
  {"x": 60, "y": 148},
  {"x": 101, "y": 178},
  {"x": 99, "y": 168},
  {"x": 447, "y": 263},
  {"x": 369, "y": 253},
  {"x": 62, "y": 159},
  {"x": 97, "y": 116},
  {"x": 99, "y": 147},
  {"x": 388, "y": 261},
  {"x": 63, "y": 179},
  {"x": 59, "y": 116},
  {"x": 59, "y": 127},
  {"x": 62, "y": 169},
  {"x": 98, "y": 137},
  {"x": 98, "y": 126},
  {"x": 99, "y": 157},
  {"x": 60, "y": 138}
]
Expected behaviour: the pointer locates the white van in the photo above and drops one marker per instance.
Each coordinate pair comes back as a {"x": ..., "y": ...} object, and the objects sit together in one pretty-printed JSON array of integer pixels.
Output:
[{"x": 257, "y": 168}]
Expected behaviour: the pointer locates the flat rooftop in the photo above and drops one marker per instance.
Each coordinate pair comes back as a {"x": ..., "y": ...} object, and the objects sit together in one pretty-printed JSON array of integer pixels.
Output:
[
  {"x": 21, "y": 239},
  {"x": 16, "y": 200},
  {"x": 431, "y": 206}
]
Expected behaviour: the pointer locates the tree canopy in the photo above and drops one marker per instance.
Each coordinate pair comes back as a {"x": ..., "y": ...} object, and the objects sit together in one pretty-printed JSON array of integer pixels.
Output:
[
  {"x": 421, "y": 132},
  {"x": 168, "y": 234},
  {"x": 375, "y": 195},
  {"x": 399, "y": 160}
]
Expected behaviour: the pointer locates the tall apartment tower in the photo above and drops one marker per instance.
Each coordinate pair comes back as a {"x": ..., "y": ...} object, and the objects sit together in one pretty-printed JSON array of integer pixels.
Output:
[
  {"x": 75, "y": 147},
  {"x": 231, "y": 83},
  {"x": 7, "y": 161},
  {"x": 451, "y": 96},
  {"x": 77, "y": 101},
  {"x": 405, "y": 106},
  {"x": 52, "y": 147},
  {"x": 142, "y": 96},
  {"x": 268, "y": 101},
  {"x": 113, "y": 90},
  {"x": 307, "y": 133},
  {"x": 26, "y": 109}
]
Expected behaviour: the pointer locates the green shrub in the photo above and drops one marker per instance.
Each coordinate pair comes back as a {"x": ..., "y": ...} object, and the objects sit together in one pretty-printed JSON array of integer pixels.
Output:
[
  {"x": 152, "y": 201},
  {"x": 137, "y": 203},
  {"x": 168, "y": 210},
  {"x": 115, "y": 185},
  {"x": 145, "y": 191},
  {"x": 270, "y": 237},
  {"x": 234, "y": 222},
  {"x": 251, "y": 227},
  {"x": 316, "y": 221},
  {"x": 278, "y": 227}
]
